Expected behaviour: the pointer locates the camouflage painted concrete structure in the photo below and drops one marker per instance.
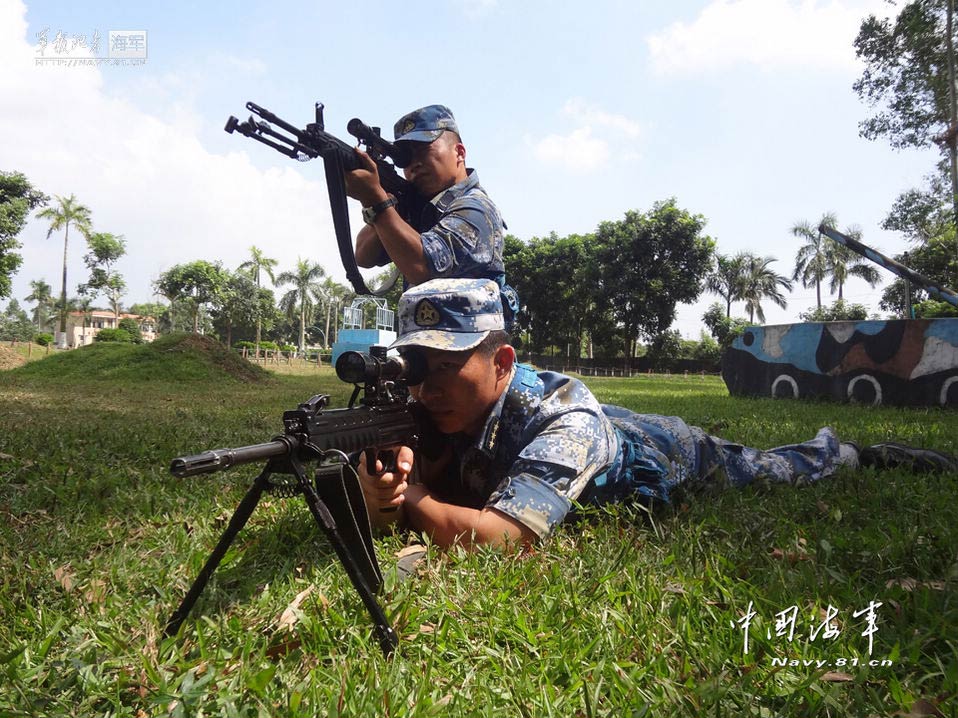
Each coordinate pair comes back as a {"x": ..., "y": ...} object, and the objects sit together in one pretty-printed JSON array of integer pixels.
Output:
[{"x": 906, "y": 362}]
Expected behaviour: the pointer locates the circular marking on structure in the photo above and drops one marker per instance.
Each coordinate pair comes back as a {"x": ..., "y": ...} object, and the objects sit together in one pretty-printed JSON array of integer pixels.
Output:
[
  {"x": 943, "y": 399},
  {"x": 788, "y": 380},
  {"x": 869, "y": 379},
  {"x": 748, "y": 339}
]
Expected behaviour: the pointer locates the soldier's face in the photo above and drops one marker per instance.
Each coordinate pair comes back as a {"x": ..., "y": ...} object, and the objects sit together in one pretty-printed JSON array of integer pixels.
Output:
[
  {"x": 437, "y": 165},
  {"x": 460, "y": 389}
]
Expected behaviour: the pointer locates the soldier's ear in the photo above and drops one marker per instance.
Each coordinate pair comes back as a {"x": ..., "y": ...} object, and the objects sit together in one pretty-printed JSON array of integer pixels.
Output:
[{"x": 504, "y": 358}]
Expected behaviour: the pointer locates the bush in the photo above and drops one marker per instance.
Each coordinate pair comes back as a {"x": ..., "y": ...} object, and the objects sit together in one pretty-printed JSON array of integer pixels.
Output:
[
  {"x": 707, "y": 350},
  {"x": 131, "y": 327},
  {"x": 840, "y": 311},
  {"x": 113, "y": 335},
  {"x": 664, "y": 349},
  {"x": 44, "y": 340},
  {"x": 933, "y": 309},
  {"x": 723, "y": 328}
]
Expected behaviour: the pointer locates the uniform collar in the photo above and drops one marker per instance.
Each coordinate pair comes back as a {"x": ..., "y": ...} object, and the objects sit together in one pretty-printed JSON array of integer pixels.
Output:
[
  {"x": 448, "y": 196},
  {"x": 516, "y": 405}
]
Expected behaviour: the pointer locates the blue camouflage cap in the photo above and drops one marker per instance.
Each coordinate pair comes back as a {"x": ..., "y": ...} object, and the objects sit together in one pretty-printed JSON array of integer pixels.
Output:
[
  {"x": 425, "y": 124},
  {"x": 449, "y": 314}
]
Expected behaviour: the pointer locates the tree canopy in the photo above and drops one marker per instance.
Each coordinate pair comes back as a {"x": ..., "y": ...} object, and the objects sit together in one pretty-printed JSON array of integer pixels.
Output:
[
  {"x": 105, "y": 250},
  {"x": 200, "y": 282},
  {"x": 17, "y": 199},
  {"x": 905, "y": 78},
  {"x": 614, "y": 286}
]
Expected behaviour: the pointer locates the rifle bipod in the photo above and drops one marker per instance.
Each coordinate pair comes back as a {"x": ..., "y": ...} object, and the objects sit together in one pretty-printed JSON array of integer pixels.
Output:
[{"x": 331, "y": 500}]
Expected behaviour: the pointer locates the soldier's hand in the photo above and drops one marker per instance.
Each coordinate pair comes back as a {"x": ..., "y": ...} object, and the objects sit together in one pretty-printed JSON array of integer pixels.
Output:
[
  {"x": 362, "y": 183},
  {"x": 384, "y": 489}
]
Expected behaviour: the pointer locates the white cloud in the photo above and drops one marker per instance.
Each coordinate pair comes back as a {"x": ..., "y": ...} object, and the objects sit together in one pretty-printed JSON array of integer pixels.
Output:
[
  {"x": 588, "y": 147},
  {"x": 578, "y": 151},
  {"x": 771, "y": 34},
  {"x": 592, "y": 115},
  {"x": 145, "y": 177}
]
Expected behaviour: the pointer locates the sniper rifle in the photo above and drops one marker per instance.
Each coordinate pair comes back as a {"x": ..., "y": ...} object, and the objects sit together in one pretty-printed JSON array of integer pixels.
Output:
[{"x": 383, "y": 419}]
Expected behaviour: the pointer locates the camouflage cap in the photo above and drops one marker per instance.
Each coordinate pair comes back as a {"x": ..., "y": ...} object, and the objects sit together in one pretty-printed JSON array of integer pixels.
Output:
[
  {"x": 425, "y": 124},
  {"x": 449, "y": 314}
]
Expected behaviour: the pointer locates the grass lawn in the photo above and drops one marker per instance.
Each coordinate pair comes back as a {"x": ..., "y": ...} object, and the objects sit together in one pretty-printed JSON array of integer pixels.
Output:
[{"x": 616, "y": 615}]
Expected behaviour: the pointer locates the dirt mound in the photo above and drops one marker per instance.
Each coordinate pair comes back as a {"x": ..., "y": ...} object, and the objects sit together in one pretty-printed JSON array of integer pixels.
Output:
[
  {"x": 11, "y": 359},
  {"x": 171, "y": 358},
  {"x": 211, "y": 352}
]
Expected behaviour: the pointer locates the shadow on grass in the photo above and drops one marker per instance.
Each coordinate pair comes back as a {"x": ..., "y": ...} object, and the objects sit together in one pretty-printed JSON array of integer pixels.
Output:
[{"x": 268, "y": 553}]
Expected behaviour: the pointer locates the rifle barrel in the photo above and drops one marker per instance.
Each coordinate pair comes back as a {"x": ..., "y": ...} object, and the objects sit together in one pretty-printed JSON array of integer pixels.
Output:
[{"x": 220, "y": 459}]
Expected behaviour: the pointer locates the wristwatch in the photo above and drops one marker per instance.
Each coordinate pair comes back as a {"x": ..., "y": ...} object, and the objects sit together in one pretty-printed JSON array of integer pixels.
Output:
[{"x": 371, "y": 213}]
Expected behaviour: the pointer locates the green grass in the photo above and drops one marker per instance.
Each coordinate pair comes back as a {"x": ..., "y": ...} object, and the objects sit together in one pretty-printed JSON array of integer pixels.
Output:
[{"x": 616, "y": 615}]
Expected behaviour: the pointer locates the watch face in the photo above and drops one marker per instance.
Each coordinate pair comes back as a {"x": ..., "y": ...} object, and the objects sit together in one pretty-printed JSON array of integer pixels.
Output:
[{"x": 369, "y": 214}]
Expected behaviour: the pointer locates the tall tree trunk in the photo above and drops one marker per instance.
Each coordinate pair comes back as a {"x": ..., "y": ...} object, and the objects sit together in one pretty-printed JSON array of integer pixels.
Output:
[
  {"x": 302, "y": 330},
  {"x": 326, "y": 333},
  {"x": 259, "y": 319},
  {"x": 953, "y": 117},
  {"x": 818, "y": 292},
  {"x": 728, "y": 307},
  {"x": 63, "y": 291}
]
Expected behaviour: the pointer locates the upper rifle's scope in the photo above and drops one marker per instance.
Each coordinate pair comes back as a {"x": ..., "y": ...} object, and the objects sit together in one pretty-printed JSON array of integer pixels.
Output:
[
  {"x": 359, "y": 368},
  {"x": 401, "y": 155}
]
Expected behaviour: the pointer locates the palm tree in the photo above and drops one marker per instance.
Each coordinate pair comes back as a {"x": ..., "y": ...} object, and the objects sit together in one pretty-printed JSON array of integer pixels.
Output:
[
  {"x": 68, "y": 212},
  {"x": 306, "y": 282},
  {"x": 255, "y": 266},
  {"x": 726, "y": 279},
  {"x": 844, "y": 263},
  {"x": 42, "y": 294},
  {"x": 811, "y": 261},
  {"x": 334, "y": 295},
  {"x": 760, "y": 283}
]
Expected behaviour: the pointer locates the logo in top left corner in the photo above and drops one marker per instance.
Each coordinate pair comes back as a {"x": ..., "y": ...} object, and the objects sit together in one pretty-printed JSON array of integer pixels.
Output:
[{"x": 129, "y": 44}]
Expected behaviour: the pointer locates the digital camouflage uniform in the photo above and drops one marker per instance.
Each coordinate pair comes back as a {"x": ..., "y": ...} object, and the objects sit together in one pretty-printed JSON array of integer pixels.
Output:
[
  {"x": 461, "y": 228},
  {"x": 548, "y": 442}
]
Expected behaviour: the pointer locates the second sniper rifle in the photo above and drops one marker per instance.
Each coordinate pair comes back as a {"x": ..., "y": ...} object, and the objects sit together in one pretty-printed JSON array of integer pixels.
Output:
[
  {"x": 382, "y": 420},
  {"x": 338, "y": 157}
]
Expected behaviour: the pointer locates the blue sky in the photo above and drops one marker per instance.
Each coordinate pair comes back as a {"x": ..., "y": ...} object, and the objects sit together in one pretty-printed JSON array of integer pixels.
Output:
[{"x": 741, "y": 109}]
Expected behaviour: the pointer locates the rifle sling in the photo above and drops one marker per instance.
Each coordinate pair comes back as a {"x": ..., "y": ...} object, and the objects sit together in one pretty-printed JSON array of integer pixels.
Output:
[
  {"x": 336, "y": 184},
  {"x": 338, "y": 488}
]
